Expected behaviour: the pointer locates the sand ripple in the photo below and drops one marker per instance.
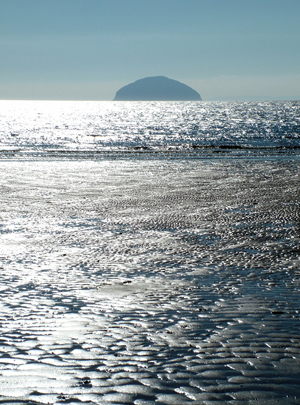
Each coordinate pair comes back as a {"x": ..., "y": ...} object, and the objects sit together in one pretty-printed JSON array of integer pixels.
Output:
[{"x": 150, "y": 282}]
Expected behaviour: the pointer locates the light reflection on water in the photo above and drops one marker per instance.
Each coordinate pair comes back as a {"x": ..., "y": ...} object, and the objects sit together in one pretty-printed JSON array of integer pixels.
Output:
[
  {"x": 107, "y": 218},
  {"x": 59, "y": 127},
  {"x": 126, "y": 218}
]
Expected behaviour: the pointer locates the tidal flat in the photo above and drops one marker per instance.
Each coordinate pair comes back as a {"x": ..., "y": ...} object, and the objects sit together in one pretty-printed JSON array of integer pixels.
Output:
[{"x": 138, "y": 280}]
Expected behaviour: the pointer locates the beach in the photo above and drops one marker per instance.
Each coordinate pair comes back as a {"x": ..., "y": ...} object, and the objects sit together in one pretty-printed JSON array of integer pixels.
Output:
[{"x": 150, "y": 279}]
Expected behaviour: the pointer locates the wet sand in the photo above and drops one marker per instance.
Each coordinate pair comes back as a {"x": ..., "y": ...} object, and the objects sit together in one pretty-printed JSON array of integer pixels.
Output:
[{"x": 150, "y": 281}]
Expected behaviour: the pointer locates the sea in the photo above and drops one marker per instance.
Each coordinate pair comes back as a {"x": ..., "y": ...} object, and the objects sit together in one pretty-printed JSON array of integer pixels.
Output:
[{"x": 149, "y": 252}]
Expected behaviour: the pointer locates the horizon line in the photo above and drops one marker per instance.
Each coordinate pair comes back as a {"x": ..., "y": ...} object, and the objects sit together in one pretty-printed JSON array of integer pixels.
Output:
[{"x": 215, "y": 99}]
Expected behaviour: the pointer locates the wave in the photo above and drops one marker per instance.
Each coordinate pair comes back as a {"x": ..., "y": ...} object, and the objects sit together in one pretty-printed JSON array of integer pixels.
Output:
[{"x": 179, "y": 151}]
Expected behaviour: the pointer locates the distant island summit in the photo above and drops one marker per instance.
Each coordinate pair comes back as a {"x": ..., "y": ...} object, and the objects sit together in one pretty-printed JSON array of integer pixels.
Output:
[{"x": 157, "y": 88}]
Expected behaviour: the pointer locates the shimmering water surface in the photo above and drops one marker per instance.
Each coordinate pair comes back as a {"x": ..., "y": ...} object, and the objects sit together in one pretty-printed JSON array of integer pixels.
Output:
[{"x": 149, "y": 253}]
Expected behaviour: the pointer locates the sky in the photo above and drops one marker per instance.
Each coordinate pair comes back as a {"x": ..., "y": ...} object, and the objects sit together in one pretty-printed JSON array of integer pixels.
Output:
[{"x": 88, "y": 49}]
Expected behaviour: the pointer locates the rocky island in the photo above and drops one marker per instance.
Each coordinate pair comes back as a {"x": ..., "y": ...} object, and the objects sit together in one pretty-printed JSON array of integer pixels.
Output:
[{"x": 157, "y": 88}]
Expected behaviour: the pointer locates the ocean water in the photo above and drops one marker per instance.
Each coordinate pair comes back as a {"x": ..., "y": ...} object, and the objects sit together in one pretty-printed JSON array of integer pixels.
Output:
[
  {"x": 149, "y": 252},
  {"x": 40, "y": 127}
]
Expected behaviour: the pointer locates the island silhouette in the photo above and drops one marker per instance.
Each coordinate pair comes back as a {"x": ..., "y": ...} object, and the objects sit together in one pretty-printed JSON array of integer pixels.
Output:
[{"x": 157, "y": 88}]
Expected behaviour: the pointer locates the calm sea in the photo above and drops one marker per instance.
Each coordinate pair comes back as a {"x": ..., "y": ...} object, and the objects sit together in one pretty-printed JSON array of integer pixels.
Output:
[{"x": 44, "y": 128}]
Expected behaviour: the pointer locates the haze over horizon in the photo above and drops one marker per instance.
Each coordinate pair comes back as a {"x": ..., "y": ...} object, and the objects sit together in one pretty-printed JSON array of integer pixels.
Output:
[{"x": 89, "y": 49}]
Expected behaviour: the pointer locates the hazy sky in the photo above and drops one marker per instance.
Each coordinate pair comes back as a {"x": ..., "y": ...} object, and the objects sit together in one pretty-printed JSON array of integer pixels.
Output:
[{"x": 88, "y": 49}]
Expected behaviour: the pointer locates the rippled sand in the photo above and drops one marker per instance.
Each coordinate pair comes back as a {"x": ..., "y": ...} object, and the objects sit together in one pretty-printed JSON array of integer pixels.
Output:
[{"x": 150, "y": 281}]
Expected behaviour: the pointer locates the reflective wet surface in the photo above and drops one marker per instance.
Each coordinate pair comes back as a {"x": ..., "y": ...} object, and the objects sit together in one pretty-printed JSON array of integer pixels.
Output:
[
  {"x": 42, "y": 128},
  {"x": 135, "y": 280}
]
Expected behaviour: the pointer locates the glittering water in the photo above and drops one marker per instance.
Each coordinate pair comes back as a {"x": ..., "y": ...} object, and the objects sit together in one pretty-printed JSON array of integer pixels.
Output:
[
  {"x": 57, "y": 127},
  {"x": 149, "y": 253}
]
